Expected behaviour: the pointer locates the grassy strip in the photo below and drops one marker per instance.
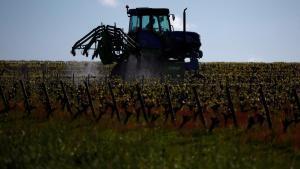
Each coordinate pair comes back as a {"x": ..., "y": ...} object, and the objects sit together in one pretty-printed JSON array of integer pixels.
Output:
[{"x": 80, "y": 144}]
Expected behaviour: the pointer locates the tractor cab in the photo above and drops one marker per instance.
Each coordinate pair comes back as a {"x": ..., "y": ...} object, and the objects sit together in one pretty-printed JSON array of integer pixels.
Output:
[
  {"x": 149, "y": 26},
  {"x": 149, "y": 19}
]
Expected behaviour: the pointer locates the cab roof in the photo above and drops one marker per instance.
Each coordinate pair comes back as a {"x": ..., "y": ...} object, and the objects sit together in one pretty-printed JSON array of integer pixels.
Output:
[{"x": 148, "y": 11}]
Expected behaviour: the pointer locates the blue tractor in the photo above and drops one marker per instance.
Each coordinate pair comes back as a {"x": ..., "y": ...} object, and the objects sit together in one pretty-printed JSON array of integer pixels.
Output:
[{"x": 150, "y": 48}]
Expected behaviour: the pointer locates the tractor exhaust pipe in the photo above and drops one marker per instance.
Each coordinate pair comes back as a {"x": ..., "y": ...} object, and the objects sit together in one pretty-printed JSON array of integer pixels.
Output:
[{"x": 184, "y": 20}]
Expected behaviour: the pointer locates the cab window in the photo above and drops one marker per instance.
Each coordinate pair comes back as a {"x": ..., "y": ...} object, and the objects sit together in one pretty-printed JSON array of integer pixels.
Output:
[
  {"x": 134, "y": 23},
  {"x": 164, "y": 23},
  {"x": 155, "y": 25},
  {"x": 146, "y": 25}
]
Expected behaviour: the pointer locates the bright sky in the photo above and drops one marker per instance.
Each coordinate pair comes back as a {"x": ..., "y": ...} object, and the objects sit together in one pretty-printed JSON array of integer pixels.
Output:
[{"x": 231, "y": 30}]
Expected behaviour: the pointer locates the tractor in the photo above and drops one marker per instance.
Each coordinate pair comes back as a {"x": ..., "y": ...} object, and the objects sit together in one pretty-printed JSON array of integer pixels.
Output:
[{"x": 150, "y": 48}]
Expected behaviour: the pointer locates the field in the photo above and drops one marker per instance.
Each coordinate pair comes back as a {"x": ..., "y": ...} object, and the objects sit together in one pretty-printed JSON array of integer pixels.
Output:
[{"x": 73, "y": 115}]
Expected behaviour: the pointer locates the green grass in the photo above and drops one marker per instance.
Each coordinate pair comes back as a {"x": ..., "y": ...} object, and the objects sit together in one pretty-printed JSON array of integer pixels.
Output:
[{"x": 83, "y": 144}]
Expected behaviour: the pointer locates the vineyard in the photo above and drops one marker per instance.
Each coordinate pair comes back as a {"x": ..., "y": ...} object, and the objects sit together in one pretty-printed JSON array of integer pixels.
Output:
[{"x": 74, "y": 115}]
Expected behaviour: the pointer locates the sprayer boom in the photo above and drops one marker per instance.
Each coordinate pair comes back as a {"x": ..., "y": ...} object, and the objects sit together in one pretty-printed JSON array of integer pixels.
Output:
[{"x": 108, "y": 42}]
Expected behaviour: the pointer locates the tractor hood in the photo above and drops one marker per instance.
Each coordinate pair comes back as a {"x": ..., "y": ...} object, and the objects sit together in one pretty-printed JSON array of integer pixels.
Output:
[
  {"x": 180, "y": 45},
  {"x": 191, "y": 38}
]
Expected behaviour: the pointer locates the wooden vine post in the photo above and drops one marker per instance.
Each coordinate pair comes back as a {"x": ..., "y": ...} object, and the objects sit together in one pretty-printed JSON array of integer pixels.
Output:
[
  {"x": 28, "y": 107},
  {"x": 297, "y": 102},
  {"x": 231, "y": 107},
  {"x": 141, "y": 102},
  {"x": 114, "y": 101},
  {"x": 200, "y": 108},
  {"x": 90, "y": 99},
  {"x": 49, "y": 108},
  {"x": 171, "y": 110},
  {"x": 4, "y": 99},
  {"x": 66, "y": 100},
  {"x": 267, "y": 111}
]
